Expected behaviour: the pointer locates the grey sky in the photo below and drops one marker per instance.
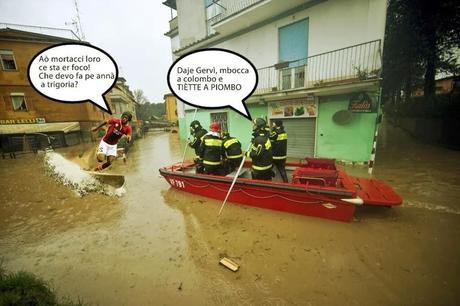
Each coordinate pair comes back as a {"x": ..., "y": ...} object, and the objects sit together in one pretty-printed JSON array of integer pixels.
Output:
[{"x": 130, "y": 31}]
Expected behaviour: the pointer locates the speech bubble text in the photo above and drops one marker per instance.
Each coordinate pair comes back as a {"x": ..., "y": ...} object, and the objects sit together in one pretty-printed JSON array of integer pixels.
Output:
[
  {"x": 74, "y": 73},
  {"x": 213, "y": 78}
]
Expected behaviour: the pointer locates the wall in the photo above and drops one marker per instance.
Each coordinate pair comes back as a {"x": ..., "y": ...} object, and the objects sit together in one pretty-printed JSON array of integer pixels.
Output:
[
  {"x": 350, "y": 142},
  {"x": 239, "y": 126},
  {"x": 38, "y": 106},
  {"x": 192, "y": 21},
  {"x": 171, "y": 109},
  {"x": 333, "y": 24}
]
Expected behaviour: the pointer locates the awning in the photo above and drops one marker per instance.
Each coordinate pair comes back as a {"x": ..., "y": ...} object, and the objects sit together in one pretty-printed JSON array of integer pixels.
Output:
[{"x": 65, "y": 127}]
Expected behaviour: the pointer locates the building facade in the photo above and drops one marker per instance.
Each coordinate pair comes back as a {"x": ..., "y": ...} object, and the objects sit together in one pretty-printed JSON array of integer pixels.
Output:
[
  {"x": 25, "y": 115},
  {"x": 318, "y": 64},
  {"x": 122, "y": 100},
  {"x": 170, "y": 108}
]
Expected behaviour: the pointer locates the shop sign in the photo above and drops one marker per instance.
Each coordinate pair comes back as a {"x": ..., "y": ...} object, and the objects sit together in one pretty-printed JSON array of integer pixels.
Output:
[
  {"x": 23, "y": 121},
  {"x": 298, "y": 108},
  {"x": 361, "y": 103}
]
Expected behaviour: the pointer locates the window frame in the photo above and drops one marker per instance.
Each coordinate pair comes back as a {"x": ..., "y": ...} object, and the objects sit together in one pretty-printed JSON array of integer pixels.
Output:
[
  {"x": 19, "y": 94},
  {"x": 227, "y": 122},
  {"x": 8, "y": 52}
]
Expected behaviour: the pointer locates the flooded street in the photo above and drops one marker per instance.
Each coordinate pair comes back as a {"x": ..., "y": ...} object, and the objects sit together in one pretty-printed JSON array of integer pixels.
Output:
[{"x": 160, "y": 246}]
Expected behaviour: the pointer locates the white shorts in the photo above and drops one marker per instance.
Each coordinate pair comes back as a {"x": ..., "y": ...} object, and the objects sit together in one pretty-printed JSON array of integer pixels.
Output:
[{"x": 107, "y": 149}]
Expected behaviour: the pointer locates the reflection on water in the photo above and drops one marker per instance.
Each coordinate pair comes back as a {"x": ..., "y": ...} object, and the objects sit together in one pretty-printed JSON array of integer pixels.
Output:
[{"x": 160, "y": 246}]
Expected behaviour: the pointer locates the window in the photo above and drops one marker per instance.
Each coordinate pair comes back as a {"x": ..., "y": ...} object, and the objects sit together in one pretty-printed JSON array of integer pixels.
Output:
[
  {"x": 293, "y": 50},
  {"x": 7, "y": 59},
  {"x": 222, "y": 119},
  {"x": 19, "y": 102}
]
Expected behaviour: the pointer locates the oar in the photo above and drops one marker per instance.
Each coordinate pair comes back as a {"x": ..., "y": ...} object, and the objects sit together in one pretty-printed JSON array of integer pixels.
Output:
[
  {"x": 186, "y": 145},
  {"x": 234, "y": 180}
]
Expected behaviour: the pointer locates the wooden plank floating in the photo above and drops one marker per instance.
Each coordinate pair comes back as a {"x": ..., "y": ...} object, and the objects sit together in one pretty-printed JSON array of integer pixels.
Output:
[{"x": 229, "y": 264}]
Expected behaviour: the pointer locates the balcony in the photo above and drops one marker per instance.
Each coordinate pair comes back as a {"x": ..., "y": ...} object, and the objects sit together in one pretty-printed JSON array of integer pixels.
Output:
[
  {"x": 227, "y": 16},
  {"x": 347, "y": 65},
  {"x": 173, "y": 27}
]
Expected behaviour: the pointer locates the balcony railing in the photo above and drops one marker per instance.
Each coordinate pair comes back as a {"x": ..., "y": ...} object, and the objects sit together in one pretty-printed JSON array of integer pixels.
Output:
[
  {"x": 355, "y": 63},
  {"x": 222, "y": 9},
  {"x": 173, "y": 24}
]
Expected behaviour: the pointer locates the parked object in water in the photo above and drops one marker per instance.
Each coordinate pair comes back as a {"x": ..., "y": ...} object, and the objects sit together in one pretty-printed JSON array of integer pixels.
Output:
[{"x": 318, "y": 188}]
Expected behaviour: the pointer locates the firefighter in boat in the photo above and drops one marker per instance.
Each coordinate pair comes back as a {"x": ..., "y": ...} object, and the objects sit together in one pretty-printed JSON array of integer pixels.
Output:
[
  {"x": 197, "y": 131},
  {"x": 211, "y": 150},
  {"x": 278, "y": 138},
  {"x": 233, "y": 155},
  {"x": 261, "y": 151}
]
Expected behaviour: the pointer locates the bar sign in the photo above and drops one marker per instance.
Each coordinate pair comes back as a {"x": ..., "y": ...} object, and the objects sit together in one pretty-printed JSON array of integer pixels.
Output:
[{"x": 360, "y": 103}]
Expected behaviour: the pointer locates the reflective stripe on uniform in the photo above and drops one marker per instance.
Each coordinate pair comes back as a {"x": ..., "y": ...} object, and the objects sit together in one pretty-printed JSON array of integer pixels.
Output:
[
  {"x": 280, "y": 157},
  {"x": 261, "y": 168},
  {"x": 228, "y": 143},
  {"x": 212, "y": 142},
  {"x": 268, "y": 144},
  {"x": 211, "y": 163},
  {"x": 282, "y": 136},
  {"x": 234, "y": 156}
]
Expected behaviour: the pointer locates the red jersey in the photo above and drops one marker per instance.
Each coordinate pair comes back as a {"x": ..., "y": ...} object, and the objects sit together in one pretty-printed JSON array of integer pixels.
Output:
[{"x": 115, "y": 131}]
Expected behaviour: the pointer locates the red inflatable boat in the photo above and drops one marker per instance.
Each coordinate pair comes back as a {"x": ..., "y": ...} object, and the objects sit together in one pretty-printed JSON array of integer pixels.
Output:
[{"x": 316, "y": 188}]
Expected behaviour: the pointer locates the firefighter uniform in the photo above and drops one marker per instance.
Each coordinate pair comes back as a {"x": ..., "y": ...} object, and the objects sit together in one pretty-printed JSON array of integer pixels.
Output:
[
  {"x": 211, "y": 151},
  {"x": 278, "y": 138},
  {"x": 261, "y": 152},
  {"x": 197, "y": 132},
  {"x": 232, "y": 153}
]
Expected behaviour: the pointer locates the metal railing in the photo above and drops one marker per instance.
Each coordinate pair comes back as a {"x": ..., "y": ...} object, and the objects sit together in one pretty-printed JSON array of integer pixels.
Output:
[
  {"x": 354, "y": 63},
  {"x": 57, "y": 32},
  {"x": 173, "y": 24},
  {"x": 222, "y": 9}
]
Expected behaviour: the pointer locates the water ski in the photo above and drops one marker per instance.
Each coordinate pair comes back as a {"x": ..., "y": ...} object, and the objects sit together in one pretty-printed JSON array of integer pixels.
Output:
[{"x": 113, "y": 179}]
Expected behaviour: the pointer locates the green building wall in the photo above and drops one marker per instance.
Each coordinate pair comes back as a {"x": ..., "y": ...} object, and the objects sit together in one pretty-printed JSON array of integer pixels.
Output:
[
  {"x": 352, "y": 141},
  {"x": 349, "y": 142},
  {"x": 239, "y": 126}
]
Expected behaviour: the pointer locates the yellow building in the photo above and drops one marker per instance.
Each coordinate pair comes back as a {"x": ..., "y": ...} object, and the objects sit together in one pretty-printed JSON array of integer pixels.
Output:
[
  {"x": 170, "y": 108},
  {"x": 24, "y": 113}
]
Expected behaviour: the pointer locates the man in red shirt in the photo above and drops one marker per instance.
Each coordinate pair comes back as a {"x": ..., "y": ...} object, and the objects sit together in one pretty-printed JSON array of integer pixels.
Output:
[{"x": 108, "y": 146}]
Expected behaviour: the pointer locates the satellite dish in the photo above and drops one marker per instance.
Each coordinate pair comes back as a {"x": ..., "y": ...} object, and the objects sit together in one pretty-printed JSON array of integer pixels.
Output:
[{"x": 342, "y": 117}]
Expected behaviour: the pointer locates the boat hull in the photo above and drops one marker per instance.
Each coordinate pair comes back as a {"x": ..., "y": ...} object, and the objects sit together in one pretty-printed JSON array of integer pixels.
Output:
[{"x": 263, "y": 194}]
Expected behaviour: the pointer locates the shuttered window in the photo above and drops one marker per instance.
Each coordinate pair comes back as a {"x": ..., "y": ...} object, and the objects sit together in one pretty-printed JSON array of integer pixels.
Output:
[{"x": 301, "y": 137}]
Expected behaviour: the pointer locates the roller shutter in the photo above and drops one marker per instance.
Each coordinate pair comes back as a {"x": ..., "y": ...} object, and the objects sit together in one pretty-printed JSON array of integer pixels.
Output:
[{"x": 301, "y": 137}]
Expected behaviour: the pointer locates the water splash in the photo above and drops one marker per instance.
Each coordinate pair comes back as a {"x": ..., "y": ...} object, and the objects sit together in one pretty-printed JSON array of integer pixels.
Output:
[{"x": 71, "y": 175}]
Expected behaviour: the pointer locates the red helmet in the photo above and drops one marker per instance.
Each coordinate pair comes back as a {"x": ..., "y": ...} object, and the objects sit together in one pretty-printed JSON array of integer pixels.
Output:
[{"x": 214, "y": 126}]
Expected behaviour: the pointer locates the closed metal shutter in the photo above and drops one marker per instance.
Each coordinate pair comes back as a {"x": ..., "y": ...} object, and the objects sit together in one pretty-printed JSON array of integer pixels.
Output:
[{"x": 301, "y": 137}]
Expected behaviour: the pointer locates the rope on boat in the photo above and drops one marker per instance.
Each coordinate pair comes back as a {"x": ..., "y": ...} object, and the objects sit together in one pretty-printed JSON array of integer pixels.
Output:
[{"x": 254, "y": 196}]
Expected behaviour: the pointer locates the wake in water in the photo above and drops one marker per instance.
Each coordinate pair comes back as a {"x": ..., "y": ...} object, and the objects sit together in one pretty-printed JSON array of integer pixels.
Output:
[
  {"x": 433, "y": 207},
  {"x": 70, "y": 174}
]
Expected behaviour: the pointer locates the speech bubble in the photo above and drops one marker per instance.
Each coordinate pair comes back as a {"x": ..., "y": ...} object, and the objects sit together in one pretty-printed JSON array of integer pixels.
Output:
[
  {"x": 213, "y": 78},
  {"x": 74, "y": 73}
]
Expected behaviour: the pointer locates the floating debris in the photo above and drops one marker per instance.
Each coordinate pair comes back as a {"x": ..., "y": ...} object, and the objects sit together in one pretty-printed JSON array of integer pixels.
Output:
[{"x": 230, "y": 264}]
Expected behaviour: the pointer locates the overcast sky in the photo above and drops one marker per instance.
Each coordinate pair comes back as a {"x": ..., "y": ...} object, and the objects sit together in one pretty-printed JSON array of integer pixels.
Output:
[{"x": 131, "y": 31}]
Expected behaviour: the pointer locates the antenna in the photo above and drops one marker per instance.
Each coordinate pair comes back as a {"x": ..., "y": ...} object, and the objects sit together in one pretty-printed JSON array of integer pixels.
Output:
[{"x": 79, "y": 21}]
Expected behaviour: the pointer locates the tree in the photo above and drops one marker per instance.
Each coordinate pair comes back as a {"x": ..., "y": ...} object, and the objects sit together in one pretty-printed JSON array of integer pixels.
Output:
[
  {"x": 420, "y": 40},
  {"x": 140, "y": 97},
  {"x": 148, "y": 111}
]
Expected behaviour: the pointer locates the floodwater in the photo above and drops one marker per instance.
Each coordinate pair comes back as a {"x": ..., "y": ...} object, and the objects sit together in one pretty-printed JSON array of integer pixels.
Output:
[{"x": 159, "y": 246}]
